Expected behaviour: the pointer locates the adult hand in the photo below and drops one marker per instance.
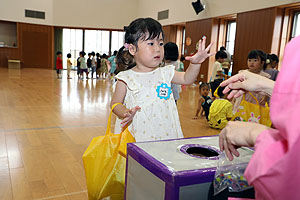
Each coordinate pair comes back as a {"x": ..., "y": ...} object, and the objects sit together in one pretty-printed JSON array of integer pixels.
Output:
[
  {"x": 128, "y": 116},
  {"x": 202, "y": 52},
  {"x": 246, "y": 81},
  {"x": 239, "y": 134}
]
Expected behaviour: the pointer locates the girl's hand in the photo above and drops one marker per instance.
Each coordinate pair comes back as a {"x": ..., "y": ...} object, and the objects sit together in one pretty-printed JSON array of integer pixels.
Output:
[
  {"x": 202, "y": 52},
  {"x": 128, "y": 116},
  {"x": 239, "y": 134}
]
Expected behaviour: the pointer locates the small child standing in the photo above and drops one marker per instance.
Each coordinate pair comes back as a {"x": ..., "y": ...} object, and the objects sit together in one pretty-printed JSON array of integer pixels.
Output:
[
  {"x": 78, "y": 67},
  {"x": 58, "y": 64},
  {"x": 149, "y": 108},
  {"x": 220, "y": 111},
  {"x": 104, "y": 66},
  {"x": 171, "y": 58},
  {"x": 89, "y": 63},
  {"x": 83, "y": 67},
  {"x": 204, "y": 102},
  {"x": 217, "y": 72},
  {"x": 98, "y": 65},
  {"x": 93, "y": 64},
  {"x": 69, "y": 64}
]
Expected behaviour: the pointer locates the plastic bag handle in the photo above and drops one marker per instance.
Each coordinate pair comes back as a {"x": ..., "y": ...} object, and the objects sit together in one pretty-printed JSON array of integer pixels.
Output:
[
  {"x": 252, "y": 97},
  {"x": 108, "y": 129}
]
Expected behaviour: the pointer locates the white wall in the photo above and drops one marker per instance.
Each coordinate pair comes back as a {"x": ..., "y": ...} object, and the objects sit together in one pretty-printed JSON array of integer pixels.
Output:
[
  {"x": 14, "y": 10},
  {"x": 182, "y": 10},
  {"x": 75, "y": 13},
  {"x": 117, "y": 13},
  {"x": 95, "y": 13}
]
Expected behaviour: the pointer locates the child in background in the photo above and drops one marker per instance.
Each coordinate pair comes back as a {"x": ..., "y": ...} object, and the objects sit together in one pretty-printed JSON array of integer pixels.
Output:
[
  {"x": 220, "y": 111},
  {"x": 149, "y": 108},
  {"x": 93, "y": 64},
  {"x": 112, "y": 62},
  {"x": 204, "y": 102},
  {"x": 98, "y": 60},
  {"x": 89, "y": 63},
  {"x": 83, "y": 67},
  {"x": 58, "y": 64},
  {"x": 217, "y": 73},
  {"x": 104, "y": 66},
  {"x": 256, "y": 62},
  {"x": 270, "y": 67},
  {"x": 171, "y": 58},
  {"x": 181, "y": 67},
  {"x": 78, "y": 67},
  {"x": 69, "y": 64}
]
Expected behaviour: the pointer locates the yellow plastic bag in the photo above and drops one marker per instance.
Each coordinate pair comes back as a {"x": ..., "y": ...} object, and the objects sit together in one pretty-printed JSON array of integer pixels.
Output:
[
  {"x": 250, "y": 112},
  {"x": 105, "y": 162}
]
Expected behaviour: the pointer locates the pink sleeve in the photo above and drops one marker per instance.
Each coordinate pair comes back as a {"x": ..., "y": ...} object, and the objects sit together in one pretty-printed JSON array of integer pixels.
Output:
[{"x": 271, "y": 167}]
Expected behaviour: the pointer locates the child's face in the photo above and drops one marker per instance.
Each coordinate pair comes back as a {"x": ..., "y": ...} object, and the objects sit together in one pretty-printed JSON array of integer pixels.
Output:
[
  {"x": 255, "y": 65},
  {"x": 59, "y": 55},
  {"x": 204, "y": 91},
  {"x": 221, "y": 60},
  {"x": 149, "y": 53}
]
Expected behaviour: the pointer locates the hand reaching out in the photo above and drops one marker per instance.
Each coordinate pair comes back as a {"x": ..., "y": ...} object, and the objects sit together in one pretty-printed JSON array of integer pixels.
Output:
[
  {"x": 239, "y": 134},
  {"x": 202, "y": 52},
  {"x": 128, "y": 116},
  {"x": 246, "y": 81}
]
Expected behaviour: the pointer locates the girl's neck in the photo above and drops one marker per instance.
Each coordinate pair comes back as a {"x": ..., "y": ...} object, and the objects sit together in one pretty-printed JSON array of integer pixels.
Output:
[{"x": 143, "y": 69}]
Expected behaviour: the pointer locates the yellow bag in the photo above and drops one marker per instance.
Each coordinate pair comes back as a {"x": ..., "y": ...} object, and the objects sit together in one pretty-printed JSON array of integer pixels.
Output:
[
  {"x": 250, "y": 112},
  {"x": 104, "y": 163}
]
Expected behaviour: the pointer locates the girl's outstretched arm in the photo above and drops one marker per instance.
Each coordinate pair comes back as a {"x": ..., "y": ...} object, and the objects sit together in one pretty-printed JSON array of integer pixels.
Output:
[
  {"x": 188, "y": 77},
  {"x": 120, "y": 110}
]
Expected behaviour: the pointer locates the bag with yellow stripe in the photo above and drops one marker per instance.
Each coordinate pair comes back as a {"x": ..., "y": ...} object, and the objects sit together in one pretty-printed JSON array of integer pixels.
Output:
[
  {"x": 250, "y": 112},
  {"x": 105, "y": 162}
]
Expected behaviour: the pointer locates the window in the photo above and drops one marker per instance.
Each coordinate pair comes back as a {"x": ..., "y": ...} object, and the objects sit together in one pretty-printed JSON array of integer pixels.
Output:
[
  {"x": 117, "y": 40},
  {"x": 72, "y": 43},
  {"x": 296, "y": 25},
  {"x": 183, "y": 41},
  {"x": 97, "y": 41},
  {"x": 230, "y": 37}
]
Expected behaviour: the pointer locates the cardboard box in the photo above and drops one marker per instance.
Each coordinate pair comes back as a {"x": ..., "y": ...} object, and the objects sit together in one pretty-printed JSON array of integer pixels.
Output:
[{"x": 173, "y": 169}]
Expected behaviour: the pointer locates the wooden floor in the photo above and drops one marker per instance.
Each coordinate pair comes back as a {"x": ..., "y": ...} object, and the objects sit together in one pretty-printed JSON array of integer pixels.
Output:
[{"x": 46, "y": 124}]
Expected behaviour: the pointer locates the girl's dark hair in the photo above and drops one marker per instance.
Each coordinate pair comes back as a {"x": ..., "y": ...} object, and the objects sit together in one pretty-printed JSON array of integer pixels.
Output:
[
  {"x": 203, "y": 84},
  {"x": 220, "y": 91},
  {"x": 273, "y": 57},
  {"x": 124, "y": 60},
  {"x": 82, "y": 53},
  {"x": 139, "y": 29},
  {"x": 58, "y": 53},
  {"x": 69, "y": 55},
  {"x": 98, "y": 54},
  {"x": 115, "y": 53},
  {"x": 104, "y": 56},
  {"x": 171, "y": 51},
  {"x": 182, "y": 58},
  {"x": 221, "y": 54},
  {"x": 93, "y": 53},
  {"x": 255, "y": 54}
]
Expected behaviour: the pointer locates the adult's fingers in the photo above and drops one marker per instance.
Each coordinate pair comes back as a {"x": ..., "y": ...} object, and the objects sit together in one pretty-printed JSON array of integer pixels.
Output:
[
  {"x": 233, "y": 79},
  {"x": 227, "y": 151},
  {"x": 208, "y": 47},
  {"x": 221, "y": 139},
  {"x": 203, "y": 42},
  {"x": 231, "y": 94}
]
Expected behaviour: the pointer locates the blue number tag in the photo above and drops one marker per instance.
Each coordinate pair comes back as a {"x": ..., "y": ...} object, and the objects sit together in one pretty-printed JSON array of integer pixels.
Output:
[{"x": 163, "y": 91}]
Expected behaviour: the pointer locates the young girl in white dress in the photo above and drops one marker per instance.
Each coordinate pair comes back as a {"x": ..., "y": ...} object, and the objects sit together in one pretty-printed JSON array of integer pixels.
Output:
[{"x": 148, "y": 107}]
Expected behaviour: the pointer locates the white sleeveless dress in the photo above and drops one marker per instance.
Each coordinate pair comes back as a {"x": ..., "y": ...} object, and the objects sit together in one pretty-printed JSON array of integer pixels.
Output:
[{"x": 158, "y": 118}]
